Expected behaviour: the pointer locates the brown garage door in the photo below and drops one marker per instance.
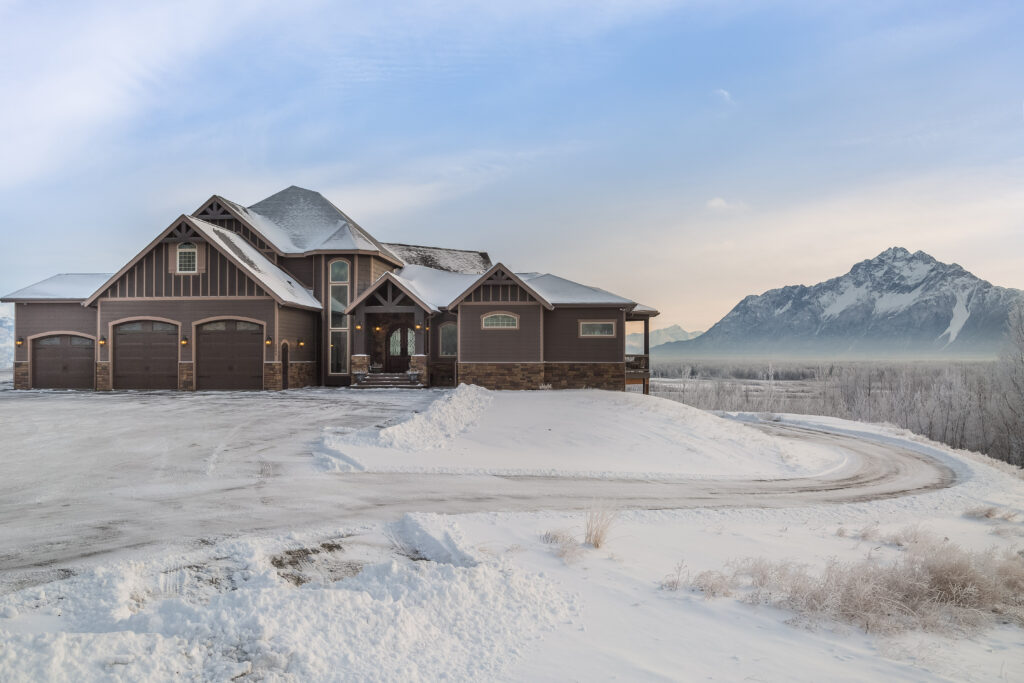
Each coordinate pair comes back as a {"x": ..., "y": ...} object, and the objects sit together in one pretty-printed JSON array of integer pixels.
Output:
[
  {"x": 63, "y": 361},
  {"x": 146, "y": 355},
  {"x": 229, "y": 355}
]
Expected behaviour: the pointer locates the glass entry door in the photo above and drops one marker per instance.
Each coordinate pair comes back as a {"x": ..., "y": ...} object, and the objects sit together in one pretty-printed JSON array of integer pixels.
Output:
[{"x": 400, "y": 345}]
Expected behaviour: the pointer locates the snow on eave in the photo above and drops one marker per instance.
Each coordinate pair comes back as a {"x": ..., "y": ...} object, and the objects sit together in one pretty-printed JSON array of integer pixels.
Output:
[
  {"x": 60, "y": 288},
  {"x": 282, "y": 287},
  {"x": 468, "y": 261},
  {"x": 564, "y": 292},
  {"x": 402, "y": 285}
]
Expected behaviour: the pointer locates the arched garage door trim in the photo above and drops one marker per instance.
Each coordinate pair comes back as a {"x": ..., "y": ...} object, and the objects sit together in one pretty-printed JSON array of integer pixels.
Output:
[
  {"x": 112, "y": 354},
  {"x": 59, "y": 333},
  {"x": 196, "y": 351}
]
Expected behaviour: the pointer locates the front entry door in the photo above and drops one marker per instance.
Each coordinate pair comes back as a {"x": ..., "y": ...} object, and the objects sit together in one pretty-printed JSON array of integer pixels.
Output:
[{"x": 401, "y": 343}]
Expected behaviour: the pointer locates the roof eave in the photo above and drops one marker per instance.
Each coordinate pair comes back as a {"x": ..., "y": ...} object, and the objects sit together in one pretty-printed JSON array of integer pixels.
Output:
[{"x": 515, "y": 278}]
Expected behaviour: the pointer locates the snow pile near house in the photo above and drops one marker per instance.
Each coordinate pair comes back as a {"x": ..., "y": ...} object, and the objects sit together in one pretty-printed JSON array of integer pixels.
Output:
[
  {"x": 577, "y": 433},
  {"x": 237, "y": 611}
]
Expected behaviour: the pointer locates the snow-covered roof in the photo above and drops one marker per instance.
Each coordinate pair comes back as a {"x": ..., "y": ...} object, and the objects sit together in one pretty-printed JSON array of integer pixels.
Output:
[
  {"x": 454, "y": 260},
  {"x": 298, "y": 221},
  {"x": 643, "y": 310},
  {"x": 559, "y": 291},
  {"x": 439, "y": 288},
  {"x": 63, "y": 287},
  {"x": 283, "y": 286}
]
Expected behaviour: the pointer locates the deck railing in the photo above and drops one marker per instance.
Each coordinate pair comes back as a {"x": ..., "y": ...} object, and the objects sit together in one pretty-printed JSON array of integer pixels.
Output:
[{"x": 638, "y": 363}]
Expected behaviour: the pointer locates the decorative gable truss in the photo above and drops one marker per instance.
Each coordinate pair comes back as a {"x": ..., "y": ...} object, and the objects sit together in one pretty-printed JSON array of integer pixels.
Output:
[
  {"x": 389, "y": 295},
  {"x": 500, "y": 285},
  {"x": 220, "y": 211},
  {"x": 154, "y": 274}
]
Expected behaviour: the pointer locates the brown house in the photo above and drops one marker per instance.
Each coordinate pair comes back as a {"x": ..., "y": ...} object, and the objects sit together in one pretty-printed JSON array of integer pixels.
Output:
[{"x": 292, "y": 292}]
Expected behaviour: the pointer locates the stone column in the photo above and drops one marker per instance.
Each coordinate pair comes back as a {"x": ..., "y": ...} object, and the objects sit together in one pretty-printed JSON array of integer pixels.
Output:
[{"x": 104, "y": 382}]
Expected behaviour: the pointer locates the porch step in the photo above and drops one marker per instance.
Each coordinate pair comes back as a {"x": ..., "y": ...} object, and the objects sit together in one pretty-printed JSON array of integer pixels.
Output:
[{"x": 387, "y": 380}]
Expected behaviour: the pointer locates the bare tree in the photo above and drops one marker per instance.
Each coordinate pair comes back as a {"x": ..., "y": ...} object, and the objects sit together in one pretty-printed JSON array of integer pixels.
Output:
[{"x": 1011, "y": 373}]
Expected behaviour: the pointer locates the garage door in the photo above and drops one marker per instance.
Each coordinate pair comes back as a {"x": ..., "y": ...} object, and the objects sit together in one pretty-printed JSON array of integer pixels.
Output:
[
  {"x": 63, "y": 362},
  {"x": 146, "y": 355},
  {"x": 229, "y": 355}
]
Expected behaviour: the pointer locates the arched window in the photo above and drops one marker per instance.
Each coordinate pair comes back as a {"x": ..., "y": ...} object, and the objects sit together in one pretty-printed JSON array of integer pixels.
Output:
[
  {"x": 340, "y": 277},
  {"x": 449, "y": 340},
  {"x": 500, "y": 321},
  {"x": 187, "y": 261}
]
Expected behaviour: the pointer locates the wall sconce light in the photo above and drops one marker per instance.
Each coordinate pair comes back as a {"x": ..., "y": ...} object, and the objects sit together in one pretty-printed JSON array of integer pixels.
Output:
[
  {"x": 301, "y": 343},
  {"x": 428, "y": 328},
  {"x": 103, "y": 341},
  {"x": 269, "y": 341},
  {"x": 377, "y": 329},
  {"x": 184, "y": 340},
  {"x": 358, "y": 326},
  {"x": 418, "y": 326},
  {"x": 20, "y": 342}
]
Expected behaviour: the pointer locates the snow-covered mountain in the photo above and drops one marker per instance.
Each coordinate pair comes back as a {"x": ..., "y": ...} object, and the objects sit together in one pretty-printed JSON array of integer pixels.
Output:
[
  {"x": 6, "y": 336},
  {"x": 897, "y": 304},
  {"x": 635, "y": 341}
]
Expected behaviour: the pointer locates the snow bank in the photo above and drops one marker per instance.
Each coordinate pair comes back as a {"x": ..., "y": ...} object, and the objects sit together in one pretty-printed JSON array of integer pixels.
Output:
[
  {"x": 598, "y": 434},
  {"x": 235, "y": 611},
  {"x": 433, "y": 537}
]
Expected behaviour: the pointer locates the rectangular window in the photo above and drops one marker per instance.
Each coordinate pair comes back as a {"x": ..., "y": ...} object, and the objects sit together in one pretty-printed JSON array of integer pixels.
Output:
[
  {"x": 339, "y": 353},
  {"x": 449, "y": 339},
  {"x": 81, "y": 341},
  {"x": 597, "y": 328},
  {"x": 339, "y": 302}
]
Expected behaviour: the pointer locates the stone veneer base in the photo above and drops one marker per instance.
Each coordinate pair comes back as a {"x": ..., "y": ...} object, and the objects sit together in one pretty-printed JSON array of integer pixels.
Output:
[{"x": 608, "y": 376}]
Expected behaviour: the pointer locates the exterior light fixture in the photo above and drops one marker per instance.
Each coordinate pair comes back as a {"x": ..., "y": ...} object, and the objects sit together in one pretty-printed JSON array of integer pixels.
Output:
[
  {"x": 358, "y": 326},
  {"x": 103, "y": 341},
  {"x": 20, "y": 342},
  {"x": 184, "y": 341},
  {"x": 270, "y": 340},
  {"x": 377, "y": 329},
  {"x": 301, "y": 343},
  {"x": 418, "y": 326}
]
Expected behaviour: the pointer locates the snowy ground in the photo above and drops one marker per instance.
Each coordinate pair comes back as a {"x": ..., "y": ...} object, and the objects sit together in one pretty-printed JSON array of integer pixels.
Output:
[{"x": 281, "y": 537}]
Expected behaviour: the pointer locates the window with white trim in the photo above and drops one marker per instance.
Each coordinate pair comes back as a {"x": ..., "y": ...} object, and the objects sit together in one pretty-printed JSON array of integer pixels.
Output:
[
  {"x": 597, "y": 328},
  {"x": 188, "y": 261},
  {"x": 449, "y": 340},
  {"x": 500, "y": 321},
  {"x": 340, "y": 279}
]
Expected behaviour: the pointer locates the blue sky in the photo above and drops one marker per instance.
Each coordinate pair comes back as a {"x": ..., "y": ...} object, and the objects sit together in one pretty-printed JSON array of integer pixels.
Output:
[{"x": 684, "y": 154}]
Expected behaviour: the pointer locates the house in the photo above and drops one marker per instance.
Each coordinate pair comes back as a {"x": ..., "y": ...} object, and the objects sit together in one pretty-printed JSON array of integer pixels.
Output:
[{"x": 292, "y": 292}]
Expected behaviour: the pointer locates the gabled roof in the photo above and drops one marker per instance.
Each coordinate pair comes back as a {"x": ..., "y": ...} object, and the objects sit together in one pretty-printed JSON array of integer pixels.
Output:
[
  {"x": 453, "y": 260},
  {"x": 281, "y": 286},
  {"x": 512, "y": 276},
  {"x": 63, "y": 287},
  {"x": 300, "y": 221},
  {"x": 398, "y": 282}
]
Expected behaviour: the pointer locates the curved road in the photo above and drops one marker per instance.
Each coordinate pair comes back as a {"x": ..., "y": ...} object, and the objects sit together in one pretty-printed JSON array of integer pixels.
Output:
[{"x": 72, "y": 494}]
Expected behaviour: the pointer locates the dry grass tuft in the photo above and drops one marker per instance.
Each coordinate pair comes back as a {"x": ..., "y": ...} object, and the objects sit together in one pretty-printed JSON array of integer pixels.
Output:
[
  {"x": 566, "y": 545},
  {"x": 676, "y": 579},
  {"x": 992, "y": 512},
  {"x": 598, "y": 523},
  {"x": 933, "y": 586}
]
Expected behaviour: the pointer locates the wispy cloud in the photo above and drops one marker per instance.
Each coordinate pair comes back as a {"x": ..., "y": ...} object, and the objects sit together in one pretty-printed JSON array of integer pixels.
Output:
[
  {"x": 719, "y": 204},
  {"x": 723, "y": 95}
]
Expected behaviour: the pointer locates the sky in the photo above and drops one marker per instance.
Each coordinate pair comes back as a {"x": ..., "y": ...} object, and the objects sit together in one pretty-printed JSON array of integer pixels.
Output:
[{"x": 682, "y": 154}]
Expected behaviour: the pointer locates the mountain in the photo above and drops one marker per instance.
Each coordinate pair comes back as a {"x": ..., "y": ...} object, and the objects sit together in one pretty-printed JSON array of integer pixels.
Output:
[
  {"x": 6, "y": 336},
  {"x": 897, "y": 304},
  {"x": 635, "y": 341}
]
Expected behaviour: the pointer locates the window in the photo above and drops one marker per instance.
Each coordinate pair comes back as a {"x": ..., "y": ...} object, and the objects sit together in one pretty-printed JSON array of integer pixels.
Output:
[
  {"x": 500, "y": 321},
  {"x": 187, "y": 262},
  {"x": 243, "y": 326},
  {"x": 164, "y": 327},
  {"x": 129, "y": 328},
  {"x": 48, "y": 341},
  {"x": 81, "y": 341},
  {"x": 219, "y": 326},
  {"x": 338, "y": 322},
  {"x": 449, "y": 339},
  {"x": 597, "y": 328}
]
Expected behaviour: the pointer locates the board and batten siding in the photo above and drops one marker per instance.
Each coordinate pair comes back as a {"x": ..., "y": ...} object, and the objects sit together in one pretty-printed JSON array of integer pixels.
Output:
[
  {"x": 301, "y": 268},
  {"x": 562, "y": 343},
  {"x": 184, "y": 312},
  {"x": 294, "y": 324},
  {"x": 477, "y": 345},
  {"x": 35, "y": 318},
  {"x": 153, "y": 276}
]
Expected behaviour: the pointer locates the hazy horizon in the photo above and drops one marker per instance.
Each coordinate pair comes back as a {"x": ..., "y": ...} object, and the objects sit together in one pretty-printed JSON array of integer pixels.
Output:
[{"x": 682, "y": 154}]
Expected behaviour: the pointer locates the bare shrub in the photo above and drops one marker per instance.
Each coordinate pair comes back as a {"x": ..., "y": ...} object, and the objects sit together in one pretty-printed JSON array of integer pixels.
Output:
[
  {"x": 566, "y": 545},
  {"x": 675, "y": 579},
  {"x": 598, "y": 523},
  {"x": 909, "y": 535},
  {"x": 932, "y": 586},
  {"x": 841, "y": 532},
  {"x": 713, "y": 583},
  {"x": 870, "y": 533}
]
